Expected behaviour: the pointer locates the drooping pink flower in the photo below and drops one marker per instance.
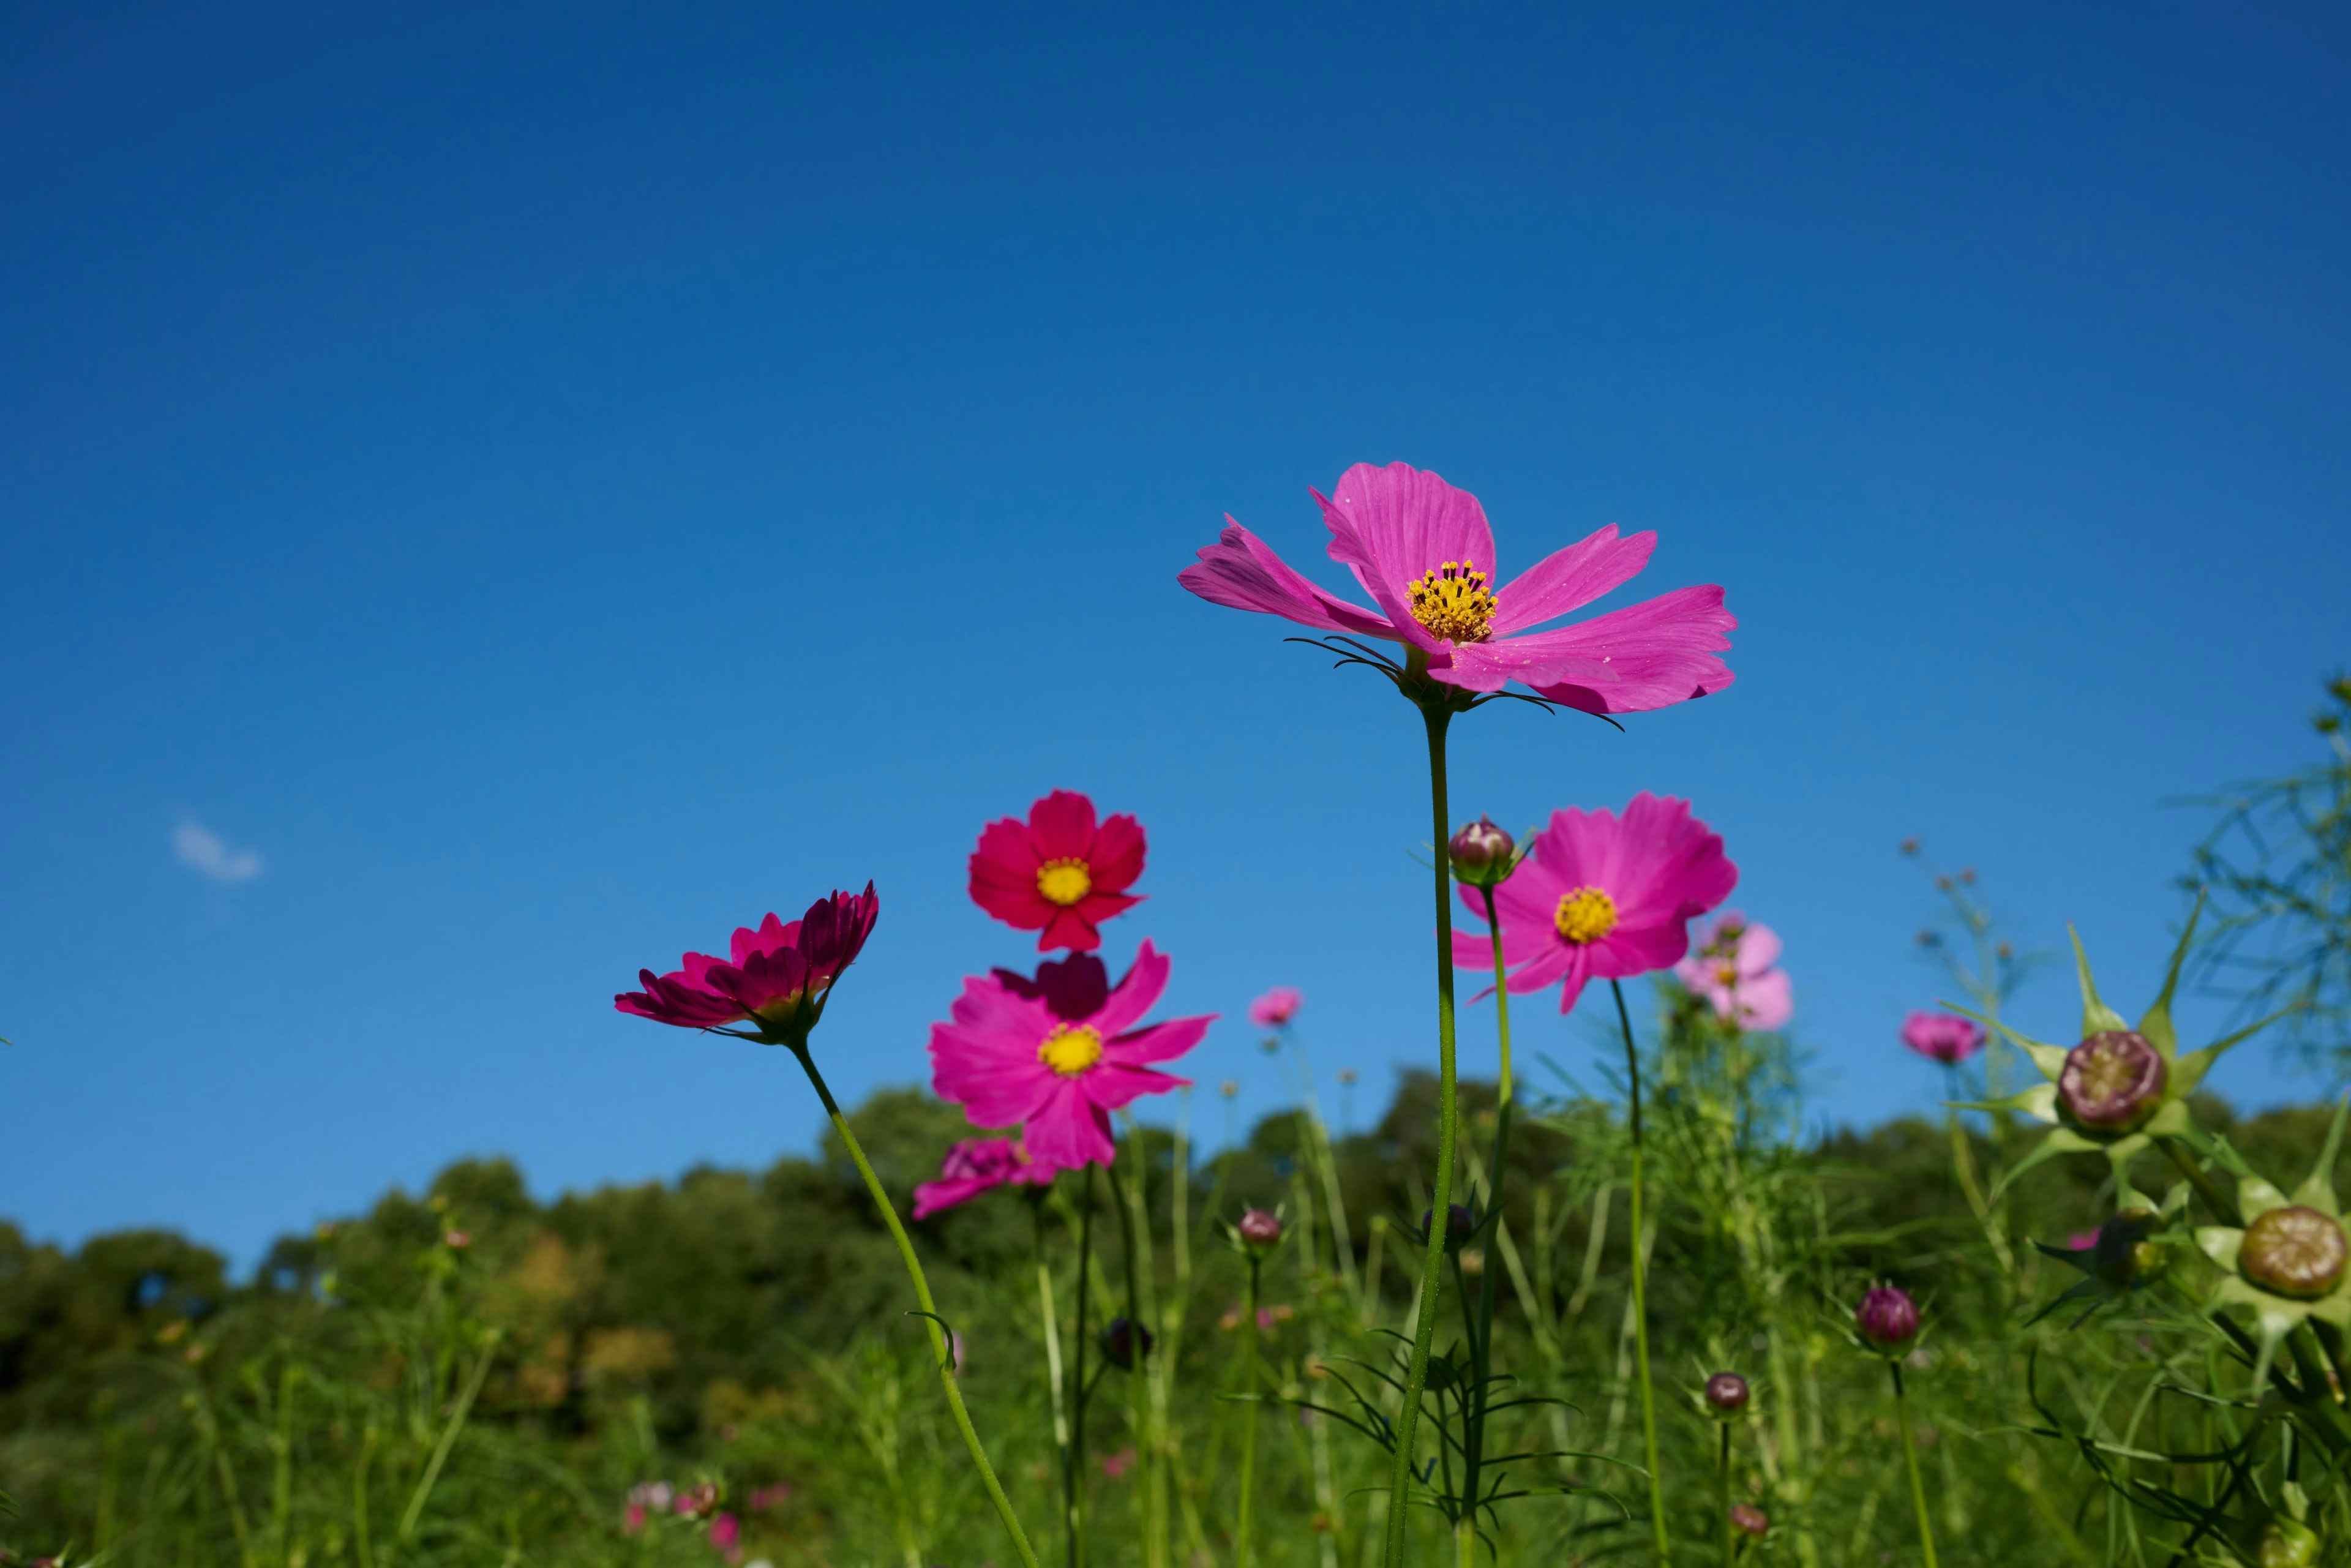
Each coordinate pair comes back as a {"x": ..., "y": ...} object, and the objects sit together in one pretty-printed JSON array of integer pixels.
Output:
[
  {"x": 1601, "y": 897},
  {"x": 778, "y": 978},
  {"x": 1276, "y": 1008},
  {"x": 1733, "y": 968},
  {"x": 1060, "y": 873},
  {"x": 1942, "y": 1037},
  {"x": 1422, "y": 551},
  {"x": 1059, "y": 1054},
  {"x": 976, "y": 1165}
]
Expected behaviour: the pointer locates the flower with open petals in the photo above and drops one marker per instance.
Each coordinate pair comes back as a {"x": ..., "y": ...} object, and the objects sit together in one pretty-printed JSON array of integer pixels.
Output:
[
  {"x": 1422, "y": 551},
  {"x": 776, "y": 978},
  {"x": 977, "y": 1165},
  {"x": 1946, "y": 1037},
  {"x": 1060, "y": 873},
  {"x": 1735, "y": 969},
  {"x": 1601, "y": 897},
  {"x": 1276, "y": 1008},
  {"x": 1059, "y": 1054}
]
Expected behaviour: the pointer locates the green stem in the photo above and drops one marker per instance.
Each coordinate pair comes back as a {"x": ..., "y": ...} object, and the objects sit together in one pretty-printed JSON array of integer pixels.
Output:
[
  {"x": 1048, "y": 1322},
  {"x": 1910, "y": 1459},
  {"x": 1248, "y": 1415},
  {"x": 1641, "y": 1292},
  {"x": 1432, "y": 1276},
  {"x": 930, "y": 1311},
  {"x": 1723, "y": 1501},
  {"x": 431, "y": 1476},
  {"x": 1139, "y": 1372},
  {"x": 1481, "y": 1340},
  {"x": 1073, "y": 1471}
]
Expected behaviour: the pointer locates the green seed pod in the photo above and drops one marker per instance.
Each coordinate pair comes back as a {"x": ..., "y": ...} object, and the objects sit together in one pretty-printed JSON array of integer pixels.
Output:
[
  {"x": 2295, "y": 1253},
  {"x": 2288, "y": 1544}
]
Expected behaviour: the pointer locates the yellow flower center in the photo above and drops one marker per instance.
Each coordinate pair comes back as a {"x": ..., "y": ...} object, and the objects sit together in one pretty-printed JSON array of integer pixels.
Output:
[
  {"x": 1064, "y": 881},
  {"x": 1452, "y": 602},
  {"x": 1724, "y": 974},
  {"x": 1585, "y": 916},
  {"x": 1069, "y": 1051}
]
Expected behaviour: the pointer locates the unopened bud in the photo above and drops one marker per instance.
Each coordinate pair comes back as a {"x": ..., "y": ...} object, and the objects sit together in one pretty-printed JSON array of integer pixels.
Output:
[
  {"x": 2289, "y": 1543},
  {"x": 2293, "y": 1251},
  {"x": 2112, "y": 1081},
  {"x": 1726, "y": 1393},
  {"x": 1748, "y": 1521},
  {"x": 1260, "y": 1228},
  {"x": 1887, "y": 1319},
  {"x": 2125, "y": 1251},
  {"x": 1481, "y": 853},
  {"x": 1125, "y": 1342},
  {"x": 1458, "y": 1223}
]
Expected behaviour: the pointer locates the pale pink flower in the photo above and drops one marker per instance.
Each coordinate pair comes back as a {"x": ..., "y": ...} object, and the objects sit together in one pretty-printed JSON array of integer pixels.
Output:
[
  {"x": 1734, "y": 969},
  {"x": 1276, "y": 1008}
]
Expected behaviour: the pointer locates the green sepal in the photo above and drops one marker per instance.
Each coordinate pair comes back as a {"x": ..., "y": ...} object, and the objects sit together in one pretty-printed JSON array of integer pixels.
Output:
[
  {"x": 2156, "y": 1024},
  {"x": 2096, "y": 1016},
  {"x": 2049, "y": 1059},
  {"x": 2190, "y": 1069},
  {"x": 2060, "y": 1141},
  {"x": 2317, "y": 1189},
  {"x": 2040, "y": 1102}
]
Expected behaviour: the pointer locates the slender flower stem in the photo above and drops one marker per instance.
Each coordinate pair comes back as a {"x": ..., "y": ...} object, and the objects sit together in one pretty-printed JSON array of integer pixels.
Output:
[
  {"x": 1248, "y": 1415},
  {"x": 1048, "y": 1324},
  {"x": 1138, "y": 1371},
  {"x": 1481, "y": 1332},
  {"x": 1723, "y": 1501},
  {"x": 930, "y": 1312},
  {"x": 1910, "y": 1459},
  {"x": 1073, "y": 1471},
  {"x": 1641, "y": 1292},
  {"x": 1432, "y": 1277}
]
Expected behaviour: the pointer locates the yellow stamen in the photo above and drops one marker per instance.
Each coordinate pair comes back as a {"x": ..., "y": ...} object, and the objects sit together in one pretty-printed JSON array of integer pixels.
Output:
[
  {"x": 1069, "y": 1051},
  {"x": 1064, "y": 881},
  {"x": 1452, "y": 602},
  {"x": 1585, "y": 916}
]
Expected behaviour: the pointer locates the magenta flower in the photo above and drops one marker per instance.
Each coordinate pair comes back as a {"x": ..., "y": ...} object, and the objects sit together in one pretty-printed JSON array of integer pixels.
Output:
[
  {"x": 1276, "y": 1008},
  {"x": 976, "y": 1165},
  {"x": 1734, "y": 970},
  {"x": 1942, "y": 1037},
  {"x": 725, "y": 1532},
  {"x": 1423, "y": 550},
  {"x": 1601, "y": 897},
  {"x": 778, "y": 979},
  {"x": 1060, "y": 873},
  {"x": 1887, "y": 1318},
  {"x": 1059, "y": 1054}
]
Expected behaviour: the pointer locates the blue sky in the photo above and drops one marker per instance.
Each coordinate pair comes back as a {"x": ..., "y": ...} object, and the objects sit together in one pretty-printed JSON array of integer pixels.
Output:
[{"x": 492, "y": 500}]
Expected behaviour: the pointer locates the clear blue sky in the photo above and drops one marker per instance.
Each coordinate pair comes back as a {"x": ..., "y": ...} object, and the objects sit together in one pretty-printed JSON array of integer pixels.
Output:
[{"x": 494, "y": 497}]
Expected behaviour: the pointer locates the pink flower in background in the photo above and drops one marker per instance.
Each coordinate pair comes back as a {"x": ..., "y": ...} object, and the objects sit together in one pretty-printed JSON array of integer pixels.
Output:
[
  {"x": 1601, "y": 897},
  {"x": 725, "y": 1532},
  {"x": 1118, "y": 1464},
  {"x": 1733, "y": 969},
  {"x": 1944, "y": 1037},
  {"x": 777, "y": 978},
  {"x": 1057, "y": 1054},
  {"x": 976, "y": 1165},
  {"x": 1422, "y": 551},
  {"x": 1060, "y": 873},
  {"x": 1276, "y": 1008},
  {"x": 769, "y": 1497}
]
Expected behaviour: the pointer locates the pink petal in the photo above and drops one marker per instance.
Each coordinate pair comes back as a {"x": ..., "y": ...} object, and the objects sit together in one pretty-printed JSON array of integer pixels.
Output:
[
  {"x": 1240, "y": 572},
  {"x": 1070, "y": 928},
  {"x": 1642, "y": 657},
  {"x": 1138, "y": 990},
  {"x": 1158, "y": 1041},
  {"x": 1063, "y": 826},
  {"x": 1117, "y": 856},
  {"x": 1768, "y": 1001},
  {"x": 1570, "y": 579},
  {"x": 1112, "y": 1085},
  {"x": 1391, "y": 525},
  {"x": 1759, "y": 949},
  {"x": 1068, "y": 1131}
]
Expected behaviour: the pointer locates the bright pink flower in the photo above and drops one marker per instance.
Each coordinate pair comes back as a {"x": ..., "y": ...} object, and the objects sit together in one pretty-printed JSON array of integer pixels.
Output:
[
  {"x": 1059, "y": 874},
  {"x": 1733, "y": 970},
  {"x": 779, "y": 977},
  {"x": 725, "y": 1532},
  {"x": 1118, "y": 1464},
  {"x": 632, "y": 1519},
  {"x": 1601, "y": 897},
  {"x": 1057, "y": 1054},
  {"x": 1276, "y": 1008},
  {"x": 1943, "y": 1037},
  {"x": 1422, "y": 551},
  {"x": 973, "y": 1166}
]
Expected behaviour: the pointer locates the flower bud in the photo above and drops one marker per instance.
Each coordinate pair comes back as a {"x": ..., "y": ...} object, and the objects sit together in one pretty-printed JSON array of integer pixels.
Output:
[
  {"x": 1482, "y": 854},
  {"x": 2293, "y": 1251},
  {"x": 1887, "y": 1319},
  {"x": 1726, "y": 1393},
  {"x": 1259, "y": 1228},
  {"x": 1458, "y": 1224},
  {"x": 2125, "y": 1251},
  {"x": 2288, "y": 1543},
  {"x": 2112, "y": 1081},
  {"x": 697, "y": 1501},
  {"x": 1748, "y": 1521},
  {"x": 1123, "y": 1344}
]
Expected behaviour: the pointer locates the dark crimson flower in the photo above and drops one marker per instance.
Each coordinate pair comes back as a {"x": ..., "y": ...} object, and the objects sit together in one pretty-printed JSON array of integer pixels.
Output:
[
  {"x": 1481, "y": 853},
  {"x": 1060, "y": 873},
  {"x": 1260, "y": 1228},
  {"x": 1887, "y": 1319},
  {"x": 2294, "y": 1251},
  {"x": 1123, "y": 1343},
  {"x": 1726, "y": 1393},
  {"x": 1748, "y": 1521},
  {"x": 776, "y": 979},
  {"x": 2112, "y": 1081}
]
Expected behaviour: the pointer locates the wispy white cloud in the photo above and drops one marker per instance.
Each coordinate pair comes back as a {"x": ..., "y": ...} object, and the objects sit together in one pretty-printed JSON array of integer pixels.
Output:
[{"x": 198, "y": 846}]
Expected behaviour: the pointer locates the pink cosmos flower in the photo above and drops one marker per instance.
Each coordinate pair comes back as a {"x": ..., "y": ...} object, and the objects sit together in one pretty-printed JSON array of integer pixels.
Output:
[
  {"x": 1060, "y": 873},
  {"x": 778, "y": 978},
  {"x": 1601, "y": 897},
  {"x": 1422, "y": 551},
  {"x": 1276, "y": 1008},
  {"x": 976, "y": 1165},
  {"x": 1057, "y": 1054},
  {"x": 1733, "y": 969},
  {"x": 725, "y": 1532},
  {"x": 1942, "y": 1037}
]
